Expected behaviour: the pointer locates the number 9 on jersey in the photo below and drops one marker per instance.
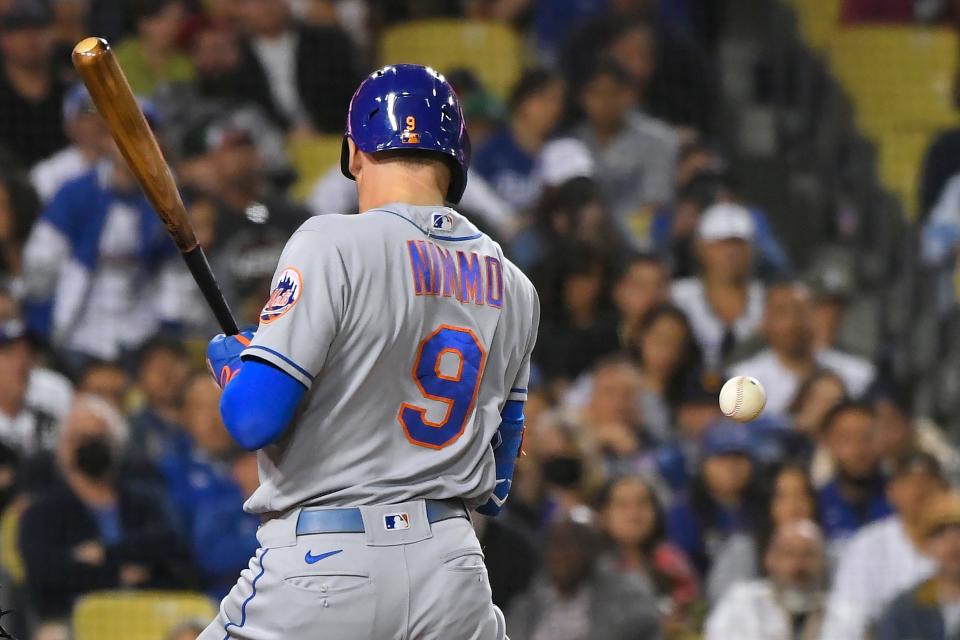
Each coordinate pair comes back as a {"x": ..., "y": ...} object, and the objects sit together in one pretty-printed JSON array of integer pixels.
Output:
[{"x": 457, "y": 391}]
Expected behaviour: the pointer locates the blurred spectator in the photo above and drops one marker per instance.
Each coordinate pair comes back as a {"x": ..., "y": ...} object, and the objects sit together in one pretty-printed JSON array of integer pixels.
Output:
[
  {"x": 240, "y": 221},
  {"x": 310, "y": 71},
  {"x": 201, "y": 473},
  {"x": 224, "y": 536},
  {"x": 673, "y": 230},
  {"x": 575, "y": 599},
  {"x": 832, "y": 291},
  {"x": 106, "y": 380},
  {"x": 941, "y": 164},
  {"x": 940, "y": 236},
  {"x": 151, "y": 58},
  {"x": 792, "y": 356},
  {"x": 633, "y": 519},
  {"x": 898, "y": 432},
  {"x": 481, "y": 109},
  {"x": 669, "y": 358},
  {"x": 816, "y": 396},
  {"x": 99, "y": 267},
  {"x": 681, "y": 87},
  {"x": 572, "y": 211},
  {"x": 576, "y": 327},
  {"x": 511, "y": 555},
  {"x": 724, "y": 303},
  {"x": 33, "y": 399},
  {"x": 95, "y": 531},
  {"x": 612, "y": 419},
  {"x": 162, "y": 372},
  {"x": 19, "y": 208},
  {"x": 31, "y": 93},
  {"x": 507, "y": 159},
  {"x": 70, "y": 22},
  {"x": 888, "y": 556},
  {"x": 54, "y": 630},
  {"x": 641, "y": 284},
  {"x": 635, "y": 155},
  {"x": 788, "y": 603},
  {"x": 855, "y": 496},
  {"x": 929, "y": 610},
  {"x": 723, "y": 500},
  {"x": 85, "y": 129}
]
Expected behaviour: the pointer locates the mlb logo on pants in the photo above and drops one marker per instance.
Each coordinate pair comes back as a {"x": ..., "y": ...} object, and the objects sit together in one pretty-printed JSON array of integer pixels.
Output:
[{"x": 396, "y": 521}]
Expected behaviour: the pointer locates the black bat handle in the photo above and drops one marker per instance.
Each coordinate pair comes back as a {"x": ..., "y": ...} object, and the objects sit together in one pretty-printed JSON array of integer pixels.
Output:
[{"x": 203, "y": 275}]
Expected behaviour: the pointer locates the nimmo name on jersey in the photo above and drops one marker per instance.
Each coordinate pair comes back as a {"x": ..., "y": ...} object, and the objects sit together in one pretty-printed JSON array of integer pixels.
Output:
[{"x": 468, "y": 277}]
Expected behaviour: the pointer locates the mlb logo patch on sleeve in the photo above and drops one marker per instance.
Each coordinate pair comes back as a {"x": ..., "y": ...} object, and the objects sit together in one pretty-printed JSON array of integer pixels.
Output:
[
  {"x": 284, "y": 295},
  {"x": 396, "y": 521}
]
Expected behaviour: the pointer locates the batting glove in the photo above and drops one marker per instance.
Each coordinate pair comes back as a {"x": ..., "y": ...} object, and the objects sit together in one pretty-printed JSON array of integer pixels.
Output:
[{"x": 223, "y": 355}]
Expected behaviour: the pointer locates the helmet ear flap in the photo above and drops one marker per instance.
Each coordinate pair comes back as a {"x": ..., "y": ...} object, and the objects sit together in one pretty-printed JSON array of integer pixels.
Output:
[{"x": 345, "y": 159}]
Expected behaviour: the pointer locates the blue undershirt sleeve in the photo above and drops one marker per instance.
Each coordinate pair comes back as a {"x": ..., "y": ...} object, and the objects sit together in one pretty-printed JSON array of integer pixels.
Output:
[
  {"x": 259, "y": 403},
  {"x": 506, "y": 447}
]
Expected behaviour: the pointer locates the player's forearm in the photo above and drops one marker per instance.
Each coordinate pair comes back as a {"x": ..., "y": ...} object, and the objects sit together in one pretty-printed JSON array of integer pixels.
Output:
[
  {"x": 259, "y": 403},
  {"x": 506, "y": 448}
]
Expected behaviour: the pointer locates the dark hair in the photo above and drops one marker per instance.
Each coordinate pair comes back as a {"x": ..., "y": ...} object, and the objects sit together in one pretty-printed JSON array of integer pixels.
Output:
[
  {"x": 634, "y": 258},
  {"x": 143, "y": 9},
  {"x": 24, "y": 203},
  {"x": 764, "y": 527},
  {"x": 806, "y": 388},
  {"x": 606, "y": 66},
  {"x": 899, "y": 395},
  {"x": 157, "y": 345},
  {"x": 690, "y": 358},
  {"x": 93, "y": 364},
  {"x": 659, "y": 531},
  {"x": 567, "y": 259},
  {"x": 704, "y": 506},
  {"x": 531, "y": 82},
  {"x": 846, "y": 406}
]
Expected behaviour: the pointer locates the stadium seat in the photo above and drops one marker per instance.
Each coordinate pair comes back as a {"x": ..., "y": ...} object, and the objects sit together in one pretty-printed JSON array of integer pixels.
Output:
[
  {"x": 138, "y": 615},
  {"x": 490, "y": 49},
  {"x": 897, "y": 76},
  {"x": 900, "y": 153},
  {"x": 311, "y": 158},
  {"x": 818, "y": 20}
]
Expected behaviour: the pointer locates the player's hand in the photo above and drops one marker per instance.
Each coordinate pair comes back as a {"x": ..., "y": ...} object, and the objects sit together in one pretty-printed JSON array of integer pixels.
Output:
[{"x": 223, "y": 355}]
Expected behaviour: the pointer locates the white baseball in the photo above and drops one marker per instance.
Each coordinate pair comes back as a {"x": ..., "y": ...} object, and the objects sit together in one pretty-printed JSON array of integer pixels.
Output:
[{"x": 742, "y": 398}]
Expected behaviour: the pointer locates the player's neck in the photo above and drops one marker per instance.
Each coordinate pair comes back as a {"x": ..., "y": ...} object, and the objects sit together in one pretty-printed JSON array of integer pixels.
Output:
[{"x": 409, "y": 189}]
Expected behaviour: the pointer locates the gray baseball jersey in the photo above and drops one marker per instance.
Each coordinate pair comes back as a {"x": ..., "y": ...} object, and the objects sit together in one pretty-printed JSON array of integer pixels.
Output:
[{"x": 411, "y": 330}]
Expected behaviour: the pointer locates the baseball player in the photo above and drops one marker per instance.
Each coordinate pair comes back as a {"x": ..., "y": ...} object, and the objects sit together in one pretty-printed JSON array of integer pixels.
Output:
[{"x": 384, "y": 389}]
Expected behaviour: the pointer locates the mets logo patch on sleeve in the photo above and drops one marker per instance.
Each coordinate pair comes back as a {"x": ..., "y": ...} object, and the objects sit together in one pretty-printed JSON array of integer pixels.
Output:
[{"x": 284, "y": 295}]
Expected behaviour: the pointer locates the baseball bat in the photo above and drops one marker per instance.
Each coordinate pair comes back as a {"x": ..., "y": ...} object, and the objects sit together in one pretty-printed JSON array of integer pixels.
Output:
[{"x": 111, "y": 94}]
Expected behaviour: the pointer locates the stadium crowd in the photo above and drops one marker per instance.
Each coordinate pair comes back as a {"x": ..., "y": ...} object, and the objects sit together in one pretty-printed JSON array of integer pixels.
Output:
[{"x": 638, "y": 510}]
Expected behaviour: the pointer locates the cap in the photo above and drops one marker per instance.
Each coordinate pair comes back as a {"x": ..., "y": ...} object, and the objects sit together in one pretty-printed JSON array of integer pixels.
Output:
[
  {"x": 564, "y": 159},
  {"x": 942, "y": 510},
  {"x": 214, "y": 134},
  {"x": 26, "y": 14},
  {"x": 726, "y": 221},
  {"x": 77, "y": 102},
  {"x": 917, "y": 462},
  {"x": 11, "y": 331},
  {"x": 726, "y": 437}
]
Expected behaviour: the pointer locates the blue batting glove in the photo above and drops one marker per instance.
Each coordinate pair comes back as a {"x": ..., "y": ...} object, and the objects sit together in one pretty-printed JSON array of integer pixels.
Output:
[{"x": 223, "y": 355}]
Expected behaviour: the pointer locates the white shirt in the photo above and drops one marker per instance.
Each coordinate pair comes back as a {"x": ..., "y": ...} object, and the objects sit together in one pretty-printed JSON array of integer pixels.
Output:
[
  {"x": 782, "y": 384},
  {"x": 48, "y": 175},
  {"x": 278, "y": 57},
  {"x": 877, "y": 565},
  {"x": 46, "y": 402},
  {"x": 709, "y": 330},
  {"x": 749, "y": 611}
]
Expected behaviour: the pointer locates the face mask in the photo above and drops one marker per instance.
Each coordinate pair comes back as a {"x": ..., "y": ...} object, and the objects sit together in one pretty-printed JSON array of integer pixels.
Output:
[
  {"x": 94, "y": 458},
  {"x": 562, "y": 471}
]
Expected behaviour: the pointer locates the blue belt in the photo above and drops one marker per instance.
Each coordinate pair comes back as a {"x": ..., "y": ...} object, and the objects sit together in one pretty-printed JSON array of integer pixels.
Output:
[{"x": 349, "y": 520}]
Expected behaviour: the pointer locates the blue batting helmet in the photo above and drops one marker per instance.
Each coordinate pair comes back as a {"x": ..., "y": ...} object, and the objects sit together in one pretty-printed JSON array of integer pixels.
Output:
[{"x": 408, "y": 106}]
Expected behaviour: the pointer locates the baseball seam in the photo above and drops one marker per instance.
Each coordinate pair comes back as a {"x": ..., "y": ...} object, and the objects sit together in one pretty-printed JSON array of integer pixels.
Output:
[{"x": 739, "y": 403}]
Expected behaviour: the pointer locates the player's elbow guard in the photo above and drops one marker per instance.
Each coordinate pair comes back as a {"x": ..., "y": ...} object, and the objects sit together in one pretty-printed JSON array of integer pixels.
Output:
[
  {"x": 506, "y": 448},
  {"x": 258, "y": 404}
]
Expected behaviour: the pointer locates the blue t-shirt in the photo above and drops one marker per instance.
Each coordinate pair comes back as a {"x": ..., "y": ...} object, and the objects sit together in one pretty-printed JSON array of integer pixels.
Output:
[
  {"x": 508, "y": 169},
  {"x": 108, "y": 521},
  {"x": 842, "y": 518}
]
